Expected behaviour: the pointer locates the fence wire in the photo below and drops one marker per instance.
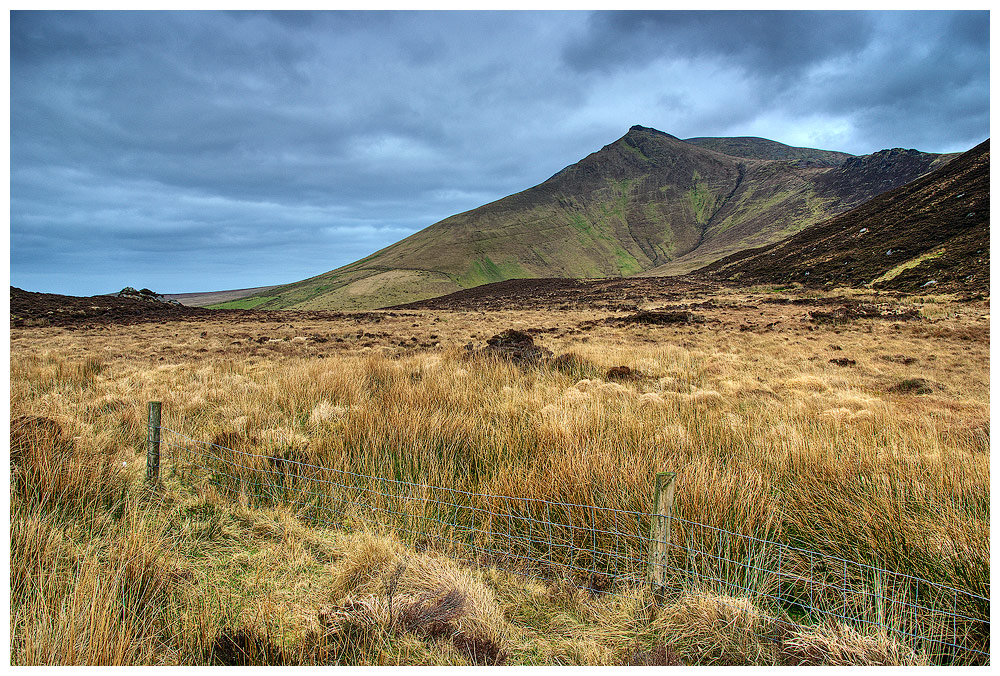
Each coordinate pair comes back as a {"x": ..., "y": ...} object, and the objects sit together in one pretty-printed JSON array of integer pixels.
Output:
[{"x": 602, "y": 549}]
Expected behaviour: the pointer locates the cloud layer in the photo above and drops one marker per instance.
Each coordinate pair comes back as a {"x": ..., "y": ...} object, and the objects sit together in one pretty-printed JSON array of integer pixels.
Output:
[{"x": 192, "y": 151}]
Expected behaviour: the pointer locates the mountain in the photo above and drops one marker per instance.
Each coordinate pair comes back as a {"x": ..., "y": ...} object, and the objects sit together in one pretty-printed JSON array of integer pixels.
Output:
[
  {"x": 648, "y": 203},
  {"x": 932, "y": 233}
]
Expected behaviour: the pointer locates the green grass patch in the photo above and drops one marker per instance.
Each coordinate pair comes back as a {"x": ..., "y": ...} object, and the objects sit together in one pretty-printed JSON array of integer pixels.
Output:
[
  {"x": 778, "y": 202},
  {"x": 619, "y": 191},
  {"x": 700, "y": 200},
  {"x": 242, "y": 303},
  {"x": 908, "y": 265},
  {"x": 635, "y": 150},
  {"x": 580, "y": 224},
  {"x": 626, "y": 262},
  {"x": 485, "y": 271}
]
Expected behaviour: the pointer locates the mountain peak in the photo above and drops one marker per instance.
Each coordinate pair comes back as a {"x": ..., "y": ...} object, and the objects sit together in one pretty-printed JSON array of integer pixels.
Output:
[{"x": 639, "y": 127}]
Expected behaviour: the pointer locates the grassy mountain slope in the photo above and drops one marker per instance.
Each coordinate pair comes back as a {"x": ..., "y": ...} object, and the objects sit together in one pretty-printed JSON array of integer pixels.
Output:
[
  {"x": 933, "y": 229},
  {"x": 646, "y": 202}
]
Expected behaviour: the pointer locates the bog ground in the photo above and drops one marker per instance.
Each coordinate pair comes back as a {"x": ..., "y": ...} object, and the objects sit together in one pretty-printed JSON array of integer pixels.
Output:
[{"x": 845, "y": 422}]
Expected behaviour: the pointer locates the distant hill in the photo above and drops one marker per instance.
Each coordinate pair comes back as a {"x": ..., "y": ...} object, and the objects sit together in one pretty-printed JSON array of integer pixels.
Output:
[
  {"x": 756, "y": 148},
  {"x": 204, "y": 298},
  {"x": 649, "y": 203},
  {"x": 933, "y": 233}
]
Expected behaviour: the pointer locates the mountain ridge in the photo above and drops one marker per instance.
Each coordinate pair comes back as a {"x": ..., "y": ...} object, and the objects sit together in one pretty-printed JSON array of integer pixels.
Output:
[
  {"x": 931, "y": 232},
  {"x": 755, "y": 147}
]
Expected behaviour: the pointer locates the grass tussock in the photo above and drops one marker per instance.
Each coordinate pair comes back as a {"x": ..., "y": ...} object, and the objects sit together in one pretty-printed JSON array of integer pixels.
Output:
[
  {"x": 843, "y": 645},
  {"x": 382, "y": 588},
  {"x": 713, "y": 629}
]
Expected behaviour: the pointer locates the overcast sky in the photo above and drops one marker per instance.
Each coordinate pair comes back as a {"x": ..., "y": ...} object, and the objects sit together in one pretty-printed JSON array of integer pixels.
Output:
[{"x": 196, "y": 151}]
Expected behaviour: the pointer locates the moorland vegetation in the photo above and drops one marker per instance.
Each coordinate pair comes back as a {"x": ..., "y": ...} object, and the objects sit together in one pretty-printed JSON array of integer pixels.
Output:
[{"x": 781, "y": 422}]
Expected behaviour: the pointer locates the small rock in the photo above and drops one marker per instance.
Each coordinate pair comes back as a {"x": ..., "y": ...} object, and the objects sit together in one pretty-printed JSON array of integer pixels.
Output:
[
  {"x": 899, "y": 359},
  {"x": 621, "y": 373},
  {"x": 513, "y": 345}
]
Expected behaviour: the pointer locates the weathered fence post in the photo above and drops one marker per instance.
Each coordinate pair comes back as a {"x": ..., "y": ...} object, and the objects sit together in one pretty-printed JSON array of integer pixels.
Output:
[
  {"x": 660, "y": 529},
  {"x": 153, "y": 443}
]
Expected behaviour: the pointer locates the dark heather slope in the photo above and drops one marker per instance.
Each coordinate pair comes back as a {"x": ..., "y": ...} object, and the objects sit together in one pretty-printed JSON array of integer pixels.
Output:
[
  {"x": 31, "y": 309},
  {"x": 622, "y": 294},
  {"x": 647, "y": 202},
  {"x": 28, "y": 308},
  {"x": 931, "y": 234}
]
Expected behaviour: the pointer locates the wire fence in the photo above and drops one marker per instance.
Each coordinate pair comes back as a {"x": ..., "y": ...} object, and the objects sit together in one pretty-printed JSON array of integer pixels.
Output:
[{"x": 603, "y": 549}]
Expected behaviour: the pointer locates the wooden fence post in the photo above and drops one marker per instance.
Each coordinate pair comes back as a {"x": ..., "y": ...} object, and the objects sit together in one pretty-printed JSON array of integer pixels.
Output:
[
  {"x": 153, "y": 443},
  {"x": 660, "y": 529}
]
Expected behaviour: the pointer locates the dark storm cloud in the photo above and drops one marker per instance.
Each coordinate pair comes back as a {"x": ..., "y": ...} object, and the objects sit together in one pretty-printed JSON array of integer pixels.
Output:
[
  {"x": 195, "y": 151},
  {"x": 766, "y": 43}
]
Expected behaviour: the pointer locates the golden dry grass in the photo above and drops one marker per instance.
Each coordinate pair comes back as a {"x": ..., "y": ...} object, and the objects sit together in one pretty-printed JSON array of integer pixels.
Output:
[{"x": 768, "y": 438}]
